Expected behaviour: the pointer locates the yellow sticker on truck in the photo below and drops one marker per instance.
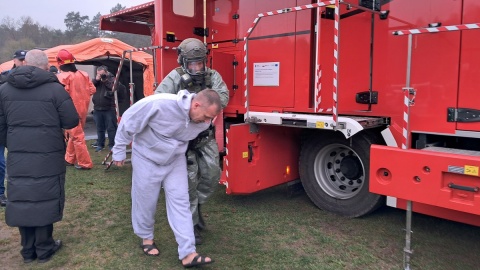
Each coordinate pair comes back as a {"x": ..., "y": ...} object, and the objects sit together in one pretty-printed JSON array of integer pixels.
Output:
[
  {"x": 471, "y": 170},
  {"x": 320, "y": 124}
]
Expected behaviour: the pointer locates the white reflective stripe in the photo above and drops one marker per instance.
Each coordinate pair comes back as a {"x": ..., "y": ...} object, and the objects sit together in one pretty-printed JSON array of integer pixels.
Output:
[
  {"x": 350, "y": 126},
  {"x": 388, "y": 137},
  {"x": 472, "y": 26},
  {"x": 392, "y": 201}
]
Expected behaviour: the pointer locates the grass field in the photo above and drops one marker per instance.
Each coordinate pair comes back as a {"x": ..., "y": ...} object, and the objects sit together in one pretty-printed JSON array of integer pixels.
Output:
[{"x": 265, "y": 230}]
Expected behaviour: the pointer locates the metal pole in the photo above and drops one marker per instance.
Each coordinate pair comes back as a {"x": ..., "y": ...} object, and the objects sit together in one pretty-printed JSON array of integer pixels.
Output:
[
  {"x": 407, "y": 251},
  {"x": 131, "y": 84},
  {"x": 408, "y": 238},
  {"x": 155, "y": 83},
  {"x": 409, "y": 59}
]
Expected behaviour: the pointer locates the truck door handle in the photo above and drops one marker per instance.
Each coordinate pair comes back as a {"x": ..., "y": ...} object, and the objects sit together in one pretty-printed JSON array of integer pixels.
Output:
[
  {"x": 250, "y": 153},
  {"x": 471, "y": 189}
]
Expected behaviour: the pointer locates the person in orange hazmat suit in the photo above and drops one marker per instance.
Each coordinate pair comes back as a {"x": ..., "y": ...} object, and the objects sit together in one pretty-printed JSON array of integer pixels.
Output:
[{"x": 78, "y": 84}]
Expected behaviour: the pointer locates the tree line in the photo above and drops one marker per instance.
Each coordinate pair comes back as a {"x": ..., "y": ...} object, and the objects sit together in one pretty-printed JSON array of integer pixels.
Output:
[{"x": 26, "y": 34}]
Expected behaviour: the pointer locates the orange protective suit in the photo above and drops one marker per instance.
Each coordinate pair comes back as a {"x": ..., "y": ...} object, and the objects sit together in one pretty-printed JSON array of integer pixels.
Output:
[{"x": 80, "y": 88}]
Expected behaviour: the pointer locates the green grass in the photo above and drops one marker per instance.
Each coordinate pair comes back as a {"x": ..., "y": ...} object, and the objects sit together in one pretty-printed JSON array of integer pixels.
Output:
[{"x": 265, "y": 230}]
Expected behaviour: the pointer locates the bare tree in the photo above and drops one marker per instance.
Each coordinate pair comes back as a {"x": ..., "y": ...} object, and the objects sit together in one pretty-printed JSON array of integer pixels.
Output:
[{"x": 11, "y": 45}]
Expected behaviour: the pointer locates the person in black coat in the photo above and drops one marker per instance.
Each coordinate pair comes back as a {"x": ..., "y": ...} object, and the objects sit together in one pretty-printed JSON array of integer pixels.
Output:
[
  {"x": 34, "y": 108},
  {"x": 103, "y": 100}
]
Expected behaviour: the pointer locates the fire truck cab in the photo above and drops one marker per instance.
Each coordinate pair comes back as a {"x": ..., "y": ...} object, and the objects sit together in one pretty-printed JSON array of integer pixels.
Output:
[{"x": 364, "y": 101}]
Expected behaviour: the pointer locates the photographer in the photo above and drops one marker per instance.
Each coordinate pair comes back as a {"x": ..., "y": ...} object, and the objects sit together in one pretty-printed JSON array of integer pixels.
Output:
[{"x": 104, "y": 106}]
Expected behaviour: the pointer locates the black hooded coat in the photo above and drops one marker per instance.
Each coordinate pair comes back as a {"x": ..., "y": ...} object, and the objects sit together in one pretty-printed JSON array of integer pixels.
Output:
[{"x": 34, "y": 108}]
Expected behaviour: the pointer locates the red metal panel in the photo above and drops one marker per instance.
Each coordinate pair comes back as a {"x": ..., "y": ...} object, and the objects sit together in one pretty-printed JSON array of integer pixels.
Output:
[
  {"x": 256, "y": 161},
  {"x": 304, "y": 60},
  {"x": 272, "y": 40},
  {"x": 222, "y": 25},
  {"x": 469, "y": 93},
  {"x": 249, "y": 9},
  {"x": 425, "y": 176},
  {"x": 353, "y": 56},
  {"x": 434, "y": 63},
  {"x": 181, "y": 26},
  {"x": 267, "y": 50},
  {"x": 435, "y": 211},
  {"x": 222, "y": 61}
]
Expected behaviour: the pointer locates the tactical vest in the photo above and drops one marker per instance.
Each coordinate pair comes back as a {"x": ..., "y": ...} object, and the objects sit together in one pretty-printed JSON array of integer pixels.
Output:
[{"x": 196, "y": 85}]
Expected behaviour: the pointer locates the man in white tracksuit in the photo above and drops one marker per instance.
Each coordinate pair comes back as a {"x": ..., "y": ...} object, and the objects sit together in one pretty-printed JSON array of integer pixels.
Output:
[{"x": 160, "y": 127}]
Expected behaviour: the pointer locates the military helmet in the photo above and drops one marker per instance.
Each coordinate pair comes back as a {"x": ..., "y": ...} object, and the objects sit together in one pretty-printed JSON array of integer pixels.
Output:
[{"x": 189, "y": 51}]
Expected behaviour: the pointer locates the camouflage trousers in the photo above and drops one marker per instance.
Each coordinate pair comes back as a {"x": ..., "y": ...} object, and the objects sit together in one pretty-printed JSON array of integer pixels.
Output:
[{"x": 203, "y": 173}]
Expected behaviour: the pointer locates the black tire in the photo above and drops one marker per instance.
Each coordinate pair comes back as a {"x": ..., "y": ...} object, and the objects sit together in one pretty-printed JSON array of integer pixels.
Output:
[{"x": 334, "y": 172}]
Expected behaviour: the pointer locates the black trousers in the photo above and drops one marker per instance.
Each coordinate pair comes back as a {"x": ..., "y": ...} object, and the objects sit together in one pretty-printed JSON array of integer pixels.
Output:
[{"x": 37, "y": 242}]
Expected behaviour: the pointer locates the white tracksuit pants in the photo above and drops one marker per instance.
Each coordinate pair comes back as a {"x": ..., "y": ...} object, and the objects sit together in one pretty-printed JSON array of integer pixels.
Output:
[{"x": 147, "y": 180}]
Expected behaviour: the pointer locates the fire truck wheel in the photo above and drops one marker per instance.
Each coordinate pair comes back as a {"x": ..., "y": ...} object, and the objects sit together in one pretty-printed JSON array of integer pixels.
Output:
[{"x": 334, "y": 173}]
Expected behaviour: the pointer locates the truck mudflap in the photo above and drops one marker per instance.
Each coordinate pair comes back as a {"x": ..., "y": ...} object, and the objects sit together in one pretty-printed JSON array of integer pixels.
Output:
[
  {"x": 259, "y": 157},
  {"x": 442, "y": 179}
]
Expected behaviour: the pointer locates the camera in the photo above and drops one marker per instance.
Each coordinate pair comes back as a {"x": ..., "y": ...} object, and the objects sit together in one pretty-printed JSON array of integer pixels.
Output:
[
  {"x": 108, "y": 94},
  {"x": 103, "y": 76}
]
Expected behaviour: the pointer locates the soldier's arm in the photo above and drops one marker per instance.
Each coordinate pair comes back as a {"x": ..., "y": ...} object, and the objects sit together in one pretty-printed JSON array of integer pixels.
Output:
[
  {"x": 170, "y": 84},
  {"x": 220, "y": 87}
]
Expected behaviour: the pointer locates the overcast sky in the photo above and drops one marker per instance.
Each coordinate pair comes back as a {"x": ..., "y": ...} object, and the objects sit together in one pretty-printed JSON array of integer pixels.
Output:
[{"x": 53, "y": 12}]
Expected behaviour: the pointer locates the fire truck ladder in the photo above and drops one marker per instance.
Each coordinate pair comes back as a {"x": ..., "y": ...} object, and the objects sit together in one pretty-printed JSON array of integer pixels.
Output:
[
  {"x": 409, "y": 100},
  {"x": 131, "y": 87},
  {"x": 350, "y": 125}
]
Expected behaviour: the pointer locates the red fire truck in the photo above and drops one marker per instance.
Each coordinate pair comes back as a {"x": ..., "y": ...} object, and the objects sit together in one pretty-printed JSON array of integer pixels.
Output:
[{"x": 367, "y": 102}]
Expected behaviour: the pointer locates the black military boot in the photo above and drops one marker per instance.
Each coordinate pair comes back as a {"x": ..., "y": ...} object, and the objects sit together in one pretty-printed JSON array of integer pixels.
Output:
[
  {"x": 198, "y": 237},
  {"x": 201, "y": 222}
]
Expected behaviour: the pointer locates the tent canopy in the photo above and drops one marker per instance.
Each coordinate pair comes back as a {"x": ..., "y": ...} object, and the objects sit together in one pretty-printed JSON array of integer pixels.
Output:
[{"x": 107, "y": 51}]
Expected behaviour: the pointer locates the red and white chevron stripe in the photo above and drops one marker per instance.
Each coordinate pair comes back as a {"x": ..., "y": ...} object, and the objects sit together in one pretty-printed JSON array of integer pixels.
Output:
[
  {"x": 406, "y": 105},
  {"x": 115, "y": 85},
  {"x": 130, "y": 90},
  {"x": 226, "y": 151},
  {"x": 470, "y": 26},
  {"x": 336, "y": 32},
  {"x": 327, "y": 110},
  {"x": 318, "y": 88},
  {"x": 297, "y": 8}
]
